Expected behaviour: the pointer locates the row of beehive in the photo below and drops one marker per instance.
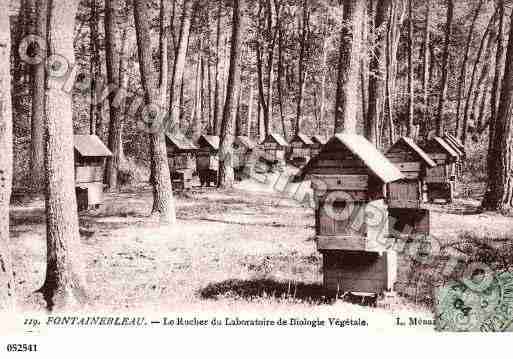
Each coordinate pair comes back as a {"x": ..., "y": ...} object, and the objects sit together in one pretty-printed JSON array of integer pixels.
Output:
[{"x": 361, "y": 194}]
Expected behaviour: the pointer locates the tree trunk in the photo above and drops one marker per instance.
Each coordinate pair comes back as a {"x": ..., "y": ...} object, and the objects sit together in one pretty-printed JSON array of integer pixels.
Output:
[
  {"x": 425, "y": 72},
  {"x": 462, "y": 130},
  {"x": 494, "y": 98},
  {"x": 301, "y": 65},
  {"x": 445, "y": 69},
  {"x": 463, "y": 71},
  {"x": 7, "y": 299},
  {"x": 226, "y": 174},
  {"x": 348, "y": 67},
  {"x": 65, "y": 273},
  {"x": 279, "y": 80},
  {"x": 376, "y": 73},
  {"x": 324, "y": 70},
  {"x": 250, "y": 107},
  {"x": 177, "y": 80},
  {"x": 409, "y": 127},
  {"x": 217, "y": 89},
  {"x": 499, "y": 195},
  {"x": 112, "y": 55},
  {"x": 155, "y": 96},
  {"x": 38, "y": 104}
]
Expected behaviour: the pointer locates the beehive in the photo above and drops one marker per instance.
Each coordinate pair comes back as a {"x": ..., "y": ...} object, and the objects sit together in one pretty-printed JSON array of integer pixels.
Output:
[
  {"x": 351, "y": 219},
  {"x": 90, "y": 154},
  {"x": 207, "y": 159},
  {"x": 300, "y": 149},
  {"x": 180, "y": 154},
  {"x": 405, "y": 197},
  {"x": 440, "y": 180},
  {"x": 274, "y": 147}
]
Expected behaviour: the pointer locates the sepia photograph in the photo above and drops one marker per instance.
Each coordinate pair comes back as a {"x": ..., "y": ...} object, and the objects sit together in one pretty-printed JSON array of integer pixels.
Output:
[{"x": 255, "y": 164}]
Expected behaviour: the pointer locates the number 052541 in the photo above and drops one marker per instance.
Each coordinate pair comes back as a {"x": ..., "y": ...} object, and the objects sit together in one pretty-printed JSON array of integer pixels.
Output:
[{"x": 22, "y": 347}]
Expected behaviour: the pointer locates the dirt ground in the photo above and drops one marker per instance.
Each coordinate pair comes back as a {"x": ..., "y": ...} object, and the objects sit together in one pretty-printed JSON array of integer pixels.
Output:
[{"x": 250, "y": 249}]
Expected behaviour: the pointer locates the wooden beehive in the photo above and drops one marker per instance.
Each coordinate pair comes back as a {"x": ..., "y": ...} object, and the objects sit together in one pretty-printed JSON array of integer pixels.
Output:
[
  {"x": 440, "y": 180},
  {"x": 414, "y": 163},
  {"x": 351, "y": 219},
  {"x": 317, "y": 142},
  {"x": 207, "y": 159},
  {"x": 300, "y": 149},
  {"x": 274, "y": 147},
  {"x": 405, "y": 197},
  {"x": 460, "y": 149},
  {"x": 181, "y": 157},
  {"x": 90, "y": 154}
]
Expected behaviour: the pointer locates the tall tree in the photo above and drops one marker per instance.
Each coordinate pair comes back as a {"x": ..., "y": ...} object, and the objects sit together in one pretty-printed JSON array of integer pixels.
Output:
[
  {"x": 7, "y": 301},
  {"x": 499, "y": 195},
  {"x": 462, "y": 129},
  {"x": 445, "y": 69},
  {"x": 64, "y": 283},
  {"x": 154, "y": 82},
  {"x": 425, "y": 70},
  {"x": 463, "y": 69},
  {"x": 38, "y": 103},
  {"x": 376, "y": 68},
  {"x": 409, "y": 125},
  {"x": 494, "y": 98},
  {"x": 218, "y": 102},
  {"x": 113, "y": 49},
  {"x": 226, "y": 174},
  {"x": 349, "y": 66},
  {"x": 179, "y": 65},
  {"x": 301, "y": 64}
]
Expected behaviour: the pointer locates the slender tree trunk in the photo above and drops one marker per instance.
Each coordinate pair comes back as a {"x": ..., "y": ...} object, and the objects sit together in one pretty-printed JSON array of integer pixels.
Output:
[
  {"x": 425, "y": 72},
  {"x": 494, "y": 97},
  {"x": 94, "y": 49},
  {"x": 155, "y": 95},
  {"x": 217, "y": 89},
  {"x": 348, "y": 67},
  {"x": 279, "y": 79},
  {"x": 65, "y": 273},
  {"x": 324, "y": 69},
  {"x": 499, "y": 195},
  {"x": 410, "y": 126},
  {"x": 177, "y": 80},
  {"x": 301, "y": 66},
  {"x": 376, "y": 68},
  {"x": 38, "y": 104},
  {"x": 112, "y": 55},
  {"x": 445, "y": 68},
  {"x": 250, "y": 106},
  {"x": 463, "y": 70},
  {"x": 7, "y": 299},
  {"x": 462, "y": 130},
  {"x": 226, "y": 174}
]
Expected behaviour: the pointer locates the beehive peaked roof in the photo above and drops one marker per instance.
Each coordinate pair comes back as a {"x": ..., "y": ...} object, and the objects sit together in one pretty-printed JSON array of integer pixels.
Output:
[
  {"x": 319, "y": 139},
  {"x": 415, "y": 148},
  {"x": 277, "y": 138},
  {"x": 456, "y": 145},
  {"x": 303, "y": 138},
  {"x": 180, "y": 141},
  {"x": 379, "y": 165},
  {"x": 90, "y": 146},
  {"x": 209, "y": 140},
  {"x": 446, "y": 147},
  {"x": 245, "y": 141}
]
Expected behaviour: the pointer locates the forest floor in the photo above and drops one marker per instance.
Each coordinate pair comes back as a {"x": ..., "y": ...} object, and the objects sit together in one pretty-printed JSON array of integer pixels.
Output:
[{"x": 249, "y": 250}]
